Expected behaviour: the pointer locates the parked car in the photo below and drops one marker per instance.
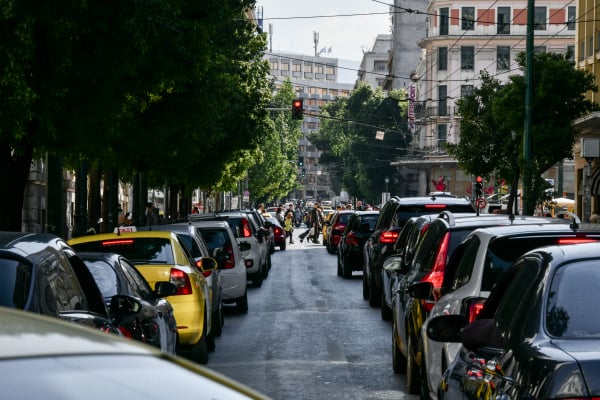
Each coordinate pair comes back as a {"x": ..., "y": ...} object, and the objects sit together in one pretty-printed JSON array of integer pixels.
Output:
[
  {"x": 161, "y": 255},
  {"x": 196, "y": 246},
  {"x": 327, "y": 226},
  {"x": 476, "y": 266},
  {"x": 257, "y": 256},
  {"x": 392, "y": 217},
  {"x": 44, "y": 358},
  {"x": 405, "y": 248},
  {"x": 224, "y": 248},
  {"x": 41, "y": 273},
  {"x": 442, "y": 237},
  {"x": 278, "y": 233},
  {"x": 537, "y": 335},
  {"x": 337, "y": 226},
  {"x": 155, "y": 323},
  {"x": 350, "y": 249}
]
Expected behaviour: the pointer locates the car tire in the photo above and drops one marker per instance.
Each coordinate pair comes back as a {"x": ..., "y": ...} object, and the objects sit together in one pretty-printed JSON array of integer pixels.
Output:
[
  {"x": 398, "y": 359},
  {"x": 282, "y": 247},
  {"x": 424, "y": 394},
  {"x": 374, "y": 294},
  {"x": 386, "y": 312},
  {"x": 339, "y": 266},
  {"x": 365, "y": 286},
  {"x": 346, "y": 270},
  {"x": 242, "y": 303},
  {"x": 257, "y": 279},
  {"x": 218, "y": 320},
  {"x": 412, "y": 369},
  {"x": 199, "y": 350}
]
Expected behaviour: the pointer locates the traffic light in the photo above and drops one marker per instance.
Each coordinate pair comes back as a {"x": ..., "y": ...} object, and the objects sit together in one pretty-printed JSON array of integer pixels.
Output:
[
  {"x": 297, "y": 109},
  {"x": 301, "y": 161},
  {"x": 303, "y": 172},
  {"x": 479, "y": 186}
]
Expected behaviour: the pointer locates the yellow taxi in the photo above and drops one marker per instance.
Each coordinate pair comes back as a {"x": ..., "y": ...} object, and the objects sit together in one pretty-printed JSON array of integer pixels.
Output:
[
  {"x": 161, "y": 256},
  {"x": 328, "y": 214}
]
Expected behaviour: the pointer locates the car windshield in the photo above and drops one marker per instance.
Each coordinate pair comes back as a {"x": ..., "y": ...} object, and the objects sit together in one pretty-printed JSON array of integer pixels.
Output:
[
  {"x": 15, "y": 283},
  {"x": 137, "y": 250},
  {"x": 570, "y": 316}
]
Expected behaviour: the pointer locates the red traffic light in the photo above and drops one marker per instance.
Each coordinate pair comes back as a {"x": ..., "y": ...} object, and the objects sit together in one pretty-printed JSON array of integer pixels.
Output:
[
  {"x": 479, "y": 179},
  {"x": 297, "y": 109}
]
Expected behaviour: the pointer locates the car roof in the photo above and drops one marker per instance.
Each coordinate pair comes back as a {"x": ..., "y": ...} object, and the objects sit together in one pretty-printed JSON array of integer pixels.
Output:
[
  {"x": 466, "y": 220},
  {"x": 111, "y": 236},
  {"x": 432, "y": 199},
  {"x": 496, "y": 231}
]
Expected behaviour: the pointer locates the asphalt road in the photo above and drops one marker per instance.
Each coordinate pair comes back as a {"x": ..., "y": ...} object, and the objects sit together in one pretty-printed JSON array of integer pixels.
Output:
[{"x": 309, "y": 334}]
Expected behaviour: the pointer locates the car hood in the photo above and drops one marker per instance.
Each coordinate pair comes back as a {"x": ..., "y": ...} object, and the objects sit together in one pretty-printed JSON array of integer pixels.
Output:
[{"x": 587, "y": 354}]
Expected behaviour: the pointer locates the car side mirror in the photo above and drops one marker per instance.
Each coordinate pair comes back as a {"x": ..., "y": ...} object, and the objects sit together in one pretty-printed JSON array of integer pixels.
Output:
[
  {"x": 446, "y": 328},
  {"x": 421, "y": 290},
  {"x": 394, "y": 264},
  {"x": 206, "y": 264},
  {"x": 164, "y": 289},
  {"x": 122, "y": 306}
]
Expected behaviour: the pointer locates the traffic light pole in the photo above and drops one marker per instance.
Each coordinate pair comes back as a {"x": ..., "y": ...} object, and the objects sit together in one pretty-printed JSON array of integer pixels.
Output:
[{"x": 528, "y": 97}]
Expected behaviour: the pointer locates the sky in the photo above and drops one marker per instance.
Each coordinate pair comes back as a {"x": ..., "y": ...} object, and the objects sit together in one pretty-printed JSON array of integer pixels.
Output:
[{"x": 347, "y": 36}]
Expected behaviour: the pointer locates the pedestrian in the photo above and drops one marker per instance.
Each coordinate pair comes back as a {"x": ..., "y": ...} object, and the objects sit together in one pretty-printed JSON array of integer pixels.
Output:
[
  {"x": 289, "y": 227},
  {"x": 314, "y": 221},
  {"x": 151, "y": 214}
]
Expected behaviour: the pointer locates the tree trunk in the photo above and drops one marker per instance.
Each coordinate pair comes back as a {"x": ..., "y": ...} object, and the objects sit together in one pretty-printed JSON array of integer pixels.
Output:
[
  {"x": 14, "y": 168},
  {"x": 94, "y": 199}
]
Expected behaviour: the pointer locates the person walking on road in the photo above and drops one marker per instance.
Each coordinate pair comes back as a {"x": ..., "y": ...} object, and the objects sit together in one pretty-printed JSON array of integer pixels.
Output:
[
  {"x": 289, "y": 227},
  {"x": 315, "y": 219}
]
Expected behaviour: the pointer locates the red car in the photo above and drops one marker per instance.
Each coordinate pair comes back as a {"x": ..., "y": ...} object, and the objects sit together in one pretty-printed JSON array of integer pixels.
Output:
[
  {"x": 335, "y": 229},
  {"x": 278, "y": 233}
]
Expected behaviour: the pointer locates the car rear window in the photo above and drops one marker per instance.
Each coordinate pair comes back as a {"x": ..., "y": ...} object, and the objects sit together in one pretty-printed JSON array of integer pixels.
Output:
[
  {"x": 503, "y": 252},
  {"x": 215, "y": 238},
  {"x": 405, "y": 212},
  {"x": 15, "y": 283},
  {"x": 136, "y": 250},
  {"x": 570, "y": 316},
  {"x": 371, "y": 219},
  {"x": 343, "y": 218}
]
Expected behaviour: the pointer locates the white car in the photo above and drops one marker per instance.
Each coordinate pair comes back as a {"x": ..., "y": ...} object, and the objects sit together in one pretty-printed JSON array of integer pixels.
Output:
[
  {"x": 477, "y": 264},
  {"x": 223, "y": 246},
  {"x": 46, "y": 358}
]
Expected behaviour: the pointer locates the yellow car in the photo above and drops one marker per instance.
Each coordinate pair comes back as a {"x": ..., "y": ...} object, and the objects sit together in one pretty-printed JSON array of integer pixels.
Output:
[
  {"x": 160, "y": 256},
  {"x": 328, "y": 216}
]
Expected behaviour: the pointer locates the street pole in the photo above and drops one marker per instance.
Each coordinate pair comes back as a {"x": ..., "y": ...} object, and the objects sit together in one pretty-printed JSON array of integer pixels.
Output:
[{"x": 528, "y": 111}]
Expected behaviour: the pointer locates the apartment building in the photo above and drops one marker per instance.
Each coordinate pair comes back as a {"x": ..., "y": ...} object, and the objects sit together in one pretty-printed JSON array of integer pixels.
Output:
[
  {"x": 373, "y": 66},
  {"x": 462, "y": 39},
  {"x": 315, "y": 80}
]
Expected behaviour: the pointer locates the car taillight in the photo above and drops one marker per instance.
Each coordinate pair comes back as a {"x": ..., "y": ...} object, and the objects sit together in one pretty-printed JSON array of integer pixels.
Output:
[
  {"x": 119, "y": 242},
  {"x": 388, "y": 237},
  {"x": 352, "y": 240},
  {"x": 126, "y": 332},
  {"x": 576, "y": 240},
  {"x": 278, "y": 231},
  {"x": 435, "y": 206},
  {"x": 230, "y": 263},
  {"x": 246, "y": 232},
  {"x": 249, "y": 263},
  {"x": 181, "y": 280},
  {"x": 436, "y": 276},
  {"x": 474, "y": 308}
]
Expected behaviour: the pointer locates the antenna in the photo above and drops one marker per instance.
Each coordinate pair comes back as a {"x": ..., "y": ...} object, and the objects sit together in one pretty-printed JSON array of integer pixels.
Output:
[{"x": 316, "y": 41}]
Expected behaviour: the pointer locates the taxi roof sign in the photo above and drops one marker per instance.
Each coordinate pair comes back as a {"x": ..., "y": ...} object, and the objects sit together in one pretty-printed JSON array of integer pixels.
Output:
[{"x": 121, "y": 229}]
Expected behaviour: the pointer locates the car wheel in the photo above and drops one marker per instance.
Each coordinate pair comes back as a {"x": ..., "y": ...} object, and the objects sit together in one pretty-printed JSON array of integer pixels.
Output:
[
  {"x": 242, "y": 303},
  {"x": 412, "y": 369},
  {"x": 386, "y": 312},
  {"x": 217, "y": 326},
  {"x": 398, "y": 359},
  {"x": 282, "y": 247},
  {"x": 199, "y": 350},
  {"x": 365, "y": 287},
  {"x": 339, "y": 266},
  {"x": 346, "y": 270},
  {"x": 424, "y": 395},
  {"x": 257, "y": 279},
  {"x": 374, "y": 294}
]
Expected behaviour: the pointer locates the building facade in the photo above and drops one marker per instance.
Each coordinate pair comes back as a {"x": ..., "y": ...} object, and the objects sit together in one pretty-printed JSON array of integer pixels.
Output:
[{"x": 373, "y": 66}]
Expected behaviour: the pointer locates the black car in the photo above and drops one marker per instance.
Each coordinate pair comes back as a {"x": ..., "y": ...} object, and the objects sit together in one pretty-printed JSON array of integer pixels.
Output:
[
  {"x": 41, "y": 273},
  {"x": 350, "y": 249},
  {"x": 538, "y": 334},
  {"x": 436, "y": 247},
  {"x": 392, "y": 217},
  {"x": 155, "y": 323}
]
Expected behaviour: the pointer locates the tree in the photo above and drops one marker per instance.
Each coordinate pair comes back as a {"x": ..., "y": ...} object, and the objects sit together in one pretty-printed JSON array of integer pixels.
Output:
[
  {"x": 492, "y": 121},
  {"x": 348, "y": 139}
]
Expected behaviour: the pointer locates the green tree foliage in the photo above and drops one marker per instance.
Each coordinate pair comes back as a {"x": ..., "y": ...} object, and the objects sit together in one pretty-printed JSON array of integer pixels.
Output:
[
  {"x": 492, "y": 121},
  {"x": 275, "y": 173},
  {"x": 347, "y": 138},
  {"x": 175, "y": 90}
]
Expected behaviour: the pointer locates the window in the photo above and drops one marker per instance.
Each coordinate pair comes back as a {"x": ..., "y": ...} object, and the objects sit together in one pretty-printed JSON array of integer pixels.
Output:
[
  {"x": 297, "y": 68},
  {"x": 285, "y": 66},
  {"x": 329, "y": 69},
  {"x": 468, "y": 18},
  {"x": 442, "y": 137},
  {"x": 442, "y": 58},
  {"x": 379, "y": 66},
  {"x": 442, "y": 100},
  {"x": 503, "y": 21},
  {"x": 308, "y": 67},
  {"x": 467, "y": 58},
  {"x": 571, "y": 18},
  {"x": 581, "y": 50},
  {"x": 502, "y": 58},
  {"x": 571, "y": 53},
  {"x": 539, "y": 49},
  {"x": 466, "y": 90},
  {"x": 274, "y": 63},
  {"x": 444, "y": 20},
  {"x": 539, "y": 19},
  {"x": 590, "y": 46},
  {"x": 319, "y": 69}
]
